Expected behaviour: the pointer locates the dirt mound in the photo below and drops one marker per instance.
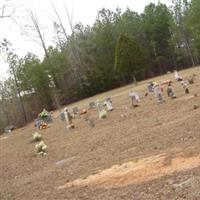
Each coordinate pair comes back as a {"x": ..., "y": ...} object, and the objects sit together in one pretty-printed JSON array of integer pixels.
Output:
[{"x": 137, "y": 172}]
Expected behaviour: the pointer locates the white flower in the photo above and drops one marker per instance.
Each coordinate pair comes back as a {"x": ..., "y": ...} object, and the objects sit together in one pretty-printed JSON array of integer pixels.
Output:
[
  {"x": 41, "y": 148},
  {"x": 37, "y": 136}
]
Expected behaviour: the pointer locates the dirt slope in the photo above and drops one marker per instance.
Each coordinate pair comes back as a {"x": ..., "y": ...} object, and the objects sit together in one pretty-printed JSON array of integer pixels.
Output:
[{"x": 153, "y": 153}]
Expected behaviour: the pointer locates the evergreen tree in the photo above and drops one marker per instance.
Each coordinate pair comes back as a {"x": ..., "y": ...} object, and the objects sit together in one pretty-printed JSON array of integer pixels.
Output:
[{"x": 129, "y": 58}]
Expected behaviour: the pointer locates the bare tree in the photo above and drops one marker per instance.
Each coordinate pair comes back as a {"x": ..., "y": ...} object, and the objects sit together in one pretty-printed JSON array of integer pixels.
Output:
[
  {"x": 3, "y": 101},
  {"x": 38, "y": 35},
  {"x": 14, "y": 62},
  {"x": 59, "y": 22}
]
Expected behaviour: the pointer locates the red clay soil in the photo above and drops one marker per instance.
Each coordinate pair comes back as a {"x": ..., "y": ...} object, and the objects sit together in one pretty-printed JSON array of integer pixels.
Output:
[{"x": 146, "y": 153}]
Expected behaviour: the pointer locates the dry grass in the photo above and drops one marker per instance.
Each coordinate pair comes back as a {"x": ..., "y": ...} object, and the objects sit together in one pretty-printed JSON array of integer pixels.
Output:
[{"x": 171, "y": 129}]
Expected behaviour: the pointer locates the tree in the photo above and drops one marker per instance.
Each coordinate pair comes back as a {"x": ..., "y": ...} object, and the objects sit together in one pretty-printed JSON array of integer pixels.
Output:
[
  {"x": 181, "y": 32},
  {"x": 192, "y": 22},
  {"x": 38, "y": 35},
  {"x": 14, "y": 63},
  {"x": 129, "y": 58},
  {"x": 157, "y": 21}
]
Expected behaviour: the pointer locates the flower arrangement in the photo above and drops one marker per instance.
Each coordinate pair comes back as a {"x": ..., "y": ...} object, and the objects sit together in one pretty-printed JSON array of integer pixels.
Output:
[
  {"x": 41, "y": 148},
  {"x": 37, "y": 137}
]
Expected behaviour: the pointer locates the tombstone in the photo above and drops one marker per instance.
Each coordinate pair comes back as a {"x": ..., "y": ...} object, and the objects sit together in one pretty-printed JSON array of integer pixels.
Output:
[
  {"x": 134, "y": 80},
  {"x": 92, "y": 105},
  {"x": 187, "y": 90},
  {"x": 89, "y": 121},
  {"x": 150, "y": 87},
  {"x": 191, "y": 80},
  {"x": 195, "y": 107},
  {"x": 170, "y": 91},
  {"x": 48, "y": 119},
  {"x": 62, "y": 117},
  {"x": 158, "y": 93},
  {"x": 108, "y": 104},
  {"x": 38, "y": 123},
  {"x": 108, "y": 99},
  {"x": 177, "y": 77},
  {"x": 102, "y": 112},
  {"x": 45, "y": 116},
  {"x": 9, "y": 129},
  {"x": 75, "y": 111},
  {"x": 134, "y": 98},
  {"x": 67, "y": 118}
]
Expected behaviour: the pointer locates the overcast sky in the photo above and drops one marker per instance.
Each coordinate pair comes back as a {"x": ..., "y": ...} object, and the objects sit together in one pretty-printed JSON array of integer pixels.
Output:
[{"x": 84, "y": 11}]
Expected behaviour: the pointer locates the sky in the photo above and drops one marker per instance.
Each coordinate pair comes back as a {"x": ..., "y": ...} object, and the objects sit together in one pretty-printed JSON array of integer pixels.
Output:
[{"x": 84, "y": 11}]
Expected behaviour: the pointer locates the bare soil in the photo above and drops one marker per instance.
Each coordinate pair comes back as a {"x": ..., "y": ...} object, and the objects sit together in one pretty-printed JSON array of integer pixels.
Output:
[{"x": 144, "y": 153}]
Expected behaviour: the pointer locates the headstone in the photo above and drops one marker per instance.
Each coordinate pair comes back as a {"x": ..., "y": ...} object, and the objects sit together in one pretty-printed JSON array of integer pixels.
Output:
[
  {"x": 150, "y": 87},
  {"x": 102, "y": 112},
  {"x": 108, "y": 99},
  {"x": 67, "y": 118},
  {"x": 91, "y": 123},
  {"x": 62, "y": 117},
  {"x": 191, "y": 80},
  {"x": 177, "y": 77},
  {"x": 100, "y": 106},
  {"x": 170, "y": 92},
  {"x": 92, "y": 105},
  {"x": 108, "y": 104},
  {"x": 75, "y": 111},
  {"x": 134, "y": 98},
  {"x": 158, "y": 93},
  {"x": 9, "y": 128},
  {"x": 195, "y": 107},
  {"x": 187, "y": 91},
  {"x": 38, "y": 123}
]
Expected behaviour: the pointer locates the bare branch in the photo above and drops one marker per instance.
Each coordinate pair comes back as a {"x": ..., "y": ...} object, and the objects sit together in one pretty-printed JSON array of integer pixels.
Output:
[
  {"x": 39, "y": 34},
  {"x": 59, "y": 21},
  {"x": 69, "y": 19},
  {"x": 6, "y": 11}
]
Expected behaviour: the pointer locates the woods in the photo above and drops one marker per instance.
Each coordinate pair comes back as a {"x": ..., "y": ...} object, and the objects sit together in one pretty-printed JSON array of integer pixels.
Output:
[{"x": 93, "y": 59}]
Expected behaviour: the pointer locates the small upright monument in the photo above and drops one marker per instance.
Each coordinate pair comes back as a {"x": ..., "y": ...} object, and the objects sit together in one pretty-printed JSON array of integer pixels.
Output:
[
  {"x": 102, "y": 112},
  {"x": 108, "y": 104},
  {"x": 158, "y": 93},
  {"x": 134, "y": 98},
  {"x": 67, "y": 118}
]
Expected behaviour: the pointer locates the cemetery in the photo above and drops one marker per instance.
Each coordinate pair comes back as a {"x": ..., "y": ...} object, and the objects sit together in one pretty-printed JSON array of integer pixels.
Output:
[{"x": 139, "y": 139}]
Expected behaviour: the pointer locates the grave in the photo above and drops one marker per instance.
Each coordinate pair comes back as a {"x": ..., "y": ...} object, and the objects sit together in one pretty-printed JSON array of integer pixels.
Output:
[
  {"x": 134, "y": 98},
  {"x": 90, "y": 121},
  {"x": 102, "y": 112},
  {"x": 108, "y": 104},
  {"x": 92, "y": 105},
  {"x": 76, "y": 111},
  {"x": 66, "y": 117}
]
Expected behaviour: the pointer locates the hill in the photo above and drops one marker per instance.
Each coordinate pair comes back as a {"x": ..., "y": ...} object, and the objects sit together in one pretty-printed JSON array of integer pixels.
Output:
[{"x": 152, "y": 153}]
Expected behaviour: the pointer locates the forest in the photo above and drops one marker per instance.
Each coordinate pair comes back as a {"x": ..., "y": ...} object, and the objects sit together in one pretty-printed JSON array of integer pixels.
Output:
[{"x": 118, "y": 48}]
